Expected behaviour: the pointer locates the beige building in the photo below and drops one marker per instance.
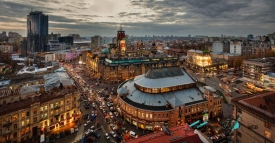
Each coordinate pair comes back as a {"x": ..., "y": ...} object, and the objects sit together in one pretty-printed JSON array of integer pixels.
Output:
[
  {"x": 166, "y": 95},
  {"x": 26, "y": 110},
  {"x": 5, "y": 47},
  {"x": 256, "y": 117}
]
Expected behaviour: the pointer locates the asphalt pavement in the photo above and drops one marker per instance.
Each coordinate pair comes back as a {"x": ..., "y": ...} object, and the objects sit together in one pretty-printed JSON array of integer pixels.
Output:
[{"x": 74, "y": 138}]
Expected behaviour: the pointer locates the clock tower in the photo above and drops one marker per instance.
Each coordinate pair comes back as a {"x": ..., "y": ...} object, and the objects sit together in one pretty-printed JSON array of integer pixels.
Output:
[{"x": 121, "y": 42}]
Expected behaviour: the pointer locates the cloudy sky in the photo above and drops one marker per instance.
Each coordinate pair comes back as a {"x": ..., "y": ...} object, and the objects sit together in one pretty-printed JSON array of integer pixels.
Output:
[{"x": 144, "y": 17}]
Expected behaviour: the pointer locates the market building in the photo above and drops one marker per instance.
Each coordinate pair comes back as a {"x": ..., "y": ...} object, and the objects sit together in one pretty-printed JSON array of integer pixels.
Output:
[
  {"x": 255, "y": 114},
  {"x": 166, "y": 95}
]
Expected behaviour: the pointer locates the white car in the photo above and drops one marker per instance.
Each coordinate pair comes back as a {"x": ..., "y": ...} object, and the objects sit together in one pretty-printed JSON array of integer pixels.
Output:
[
  {"x": 72, "y": 130},
  {"x": 92, "y": 127},
  {"x": 107, "y": 136},
  {"x": 116, "y": 114},
  {"x": 87, "y": 123},
  {"x": 89, "y": 132},
  {"x": 100, "y": 107},
  {"x": 103, "y": 106},
  {"x": 75, "y": 128},
  {"x": 113, "y": 134},
  {"x": 132, "y": 134},
  {"x": 111, "y": 114}
]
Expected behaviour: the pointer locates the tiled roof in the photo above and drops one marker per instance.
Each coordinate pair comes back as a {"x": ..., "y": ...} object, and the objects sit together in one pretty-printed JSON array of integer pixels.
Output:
[
  {"x": 261, "y": 105},
  {"x": 178, "y": 134}
]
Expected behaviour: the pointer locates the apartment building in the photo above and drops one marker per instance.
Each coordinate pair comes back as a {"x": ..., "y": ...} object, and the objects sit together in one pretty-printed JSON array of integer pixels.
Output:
[{"x": 256, "y": 117}]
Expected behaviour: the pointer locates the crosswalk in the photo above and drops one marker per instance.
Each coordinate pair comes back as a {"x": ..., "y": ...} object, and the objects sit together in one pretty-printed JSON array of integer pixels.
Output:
[
  {"x": 79, "y": 134},
  {"x": 104, "y": 131}
]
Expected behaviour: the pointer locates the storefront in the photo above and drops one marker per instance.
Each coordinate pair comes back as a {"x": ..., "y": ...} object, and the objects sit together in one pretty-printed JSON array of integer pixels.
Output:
[
  {"x": 149, "y": 127},
  {"x": 134, "y": 123}
]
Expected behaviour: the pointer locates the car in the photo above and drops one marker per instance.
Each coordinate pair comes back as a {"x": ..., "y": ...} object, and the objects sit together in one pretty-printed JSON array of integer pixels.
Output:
[
  {"x": 133, "y": 134},
  {"x": 92, "y": 127},
  {"x": 47, "y": 139},
  {"x": 111, "y": 114},
  {"x": 94, "y": 108},
  {"x": 119, "y": 132},
  {"x": 112, "y": 133},
  {"x": 103, "y": 106},
  {"x": 109, "y": 104},
  {"x": 116, "y": 114},
  {"x": 72, "y": 130},
  {"x": 107, "y": 136},
  {"x": 100, "y": 107},
  {"x": 125, "y": 130},
  {"x": 62, "y": 134},
  {"x": 96, "y": 134},
  {"x": 112, "y": 126},
  {"x": 57, "y": 136},
  {"x": 98, "y": 126},
  {"x": 75, "y": 128},
  {"x": 87, "y": 123},
  {"x": 86, "y": 116},
  {"x": 93, "y": 112},
  {"x": 108, "y": 120},
  {"x": 89, "y": 132},
  {"x": 90, "y": 139}
]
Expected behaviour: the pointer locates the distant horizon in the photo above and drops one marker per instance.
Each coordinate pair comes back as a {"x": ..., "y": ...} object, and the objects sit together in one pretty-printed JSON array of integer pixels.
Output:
[{"x": 195, "y": 17}]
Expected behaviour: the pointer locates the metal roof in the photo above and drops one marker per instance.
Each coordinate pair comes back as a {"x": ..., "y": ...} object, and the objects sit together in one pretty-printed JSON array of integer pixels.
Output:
[
  {"x": 175, "y": 98},
  {"x": 164, "y": 82},
  {"x": 54, "y": 80}
]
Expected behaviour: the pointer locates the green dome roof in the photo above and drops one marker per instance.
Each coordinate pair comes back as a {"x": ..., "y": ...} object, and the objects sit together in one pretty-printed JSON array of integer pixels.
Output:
[{"x": 105, "y": 51}]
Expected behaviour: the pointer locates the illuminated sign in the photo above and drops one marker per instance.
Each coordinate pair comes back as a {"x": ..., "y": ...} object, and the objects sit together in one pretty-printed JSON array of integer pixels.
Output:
[{"x": 122, "y": 45}]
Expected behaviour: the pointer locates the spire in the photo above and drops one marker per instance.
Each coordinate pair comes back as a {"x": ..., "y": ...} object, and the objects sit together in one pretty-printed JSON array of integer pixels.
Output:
[{"x": 120, "y": 27}]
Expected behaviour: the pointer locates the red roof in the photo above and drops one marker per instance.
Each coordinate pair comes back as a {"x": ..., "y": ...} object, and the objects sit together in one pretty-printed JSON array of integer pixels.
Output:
[{"x": 178, "y": 135}]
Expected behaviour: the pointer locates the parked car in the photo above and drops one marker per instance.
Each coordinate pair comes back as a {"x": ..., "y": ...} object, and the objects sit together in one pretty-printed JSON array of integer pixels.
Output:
[
  {"x": 75, "y": 128},
  {"x": 132, "y": 134},
  {"x": 107, "y": 136},
  {"x": 112, "y": 133},
  {"x": 96, "y": 134},
  {"x": 72, "y": 130},
  {"x": 108, "y": 120},
  {"x": 112, "y": 126},
  {"x": 119, "y": 132},
  {"x": 116, "y": 114}
]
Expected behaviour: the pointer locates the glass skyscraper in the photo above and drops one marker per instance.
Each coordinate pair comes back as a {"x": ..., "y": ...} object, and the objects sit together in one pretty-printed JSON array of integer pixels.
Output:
[{"x": 38, "y": 27}]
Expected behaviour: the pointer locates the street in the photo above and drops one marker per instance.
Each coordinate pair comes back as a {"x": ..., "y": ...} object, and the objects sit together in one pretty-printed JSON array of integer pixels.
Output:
[{"x": 80, "y": 76}]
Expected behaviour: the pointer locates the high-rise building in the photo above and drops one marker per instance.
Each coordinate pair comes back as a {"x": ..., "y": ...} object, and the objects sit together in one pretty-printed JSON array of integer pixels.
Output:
[
  {"x": 66, "y": 39},
  {"x": 96, "y": 41},
  {"x": 37, "y": 32}
]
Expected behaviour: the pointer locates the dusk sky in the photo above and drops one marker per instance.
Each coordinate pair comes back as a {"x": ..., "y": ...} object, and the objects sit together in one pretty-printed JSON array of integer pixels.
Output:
[{"x": 144, "y": 17}]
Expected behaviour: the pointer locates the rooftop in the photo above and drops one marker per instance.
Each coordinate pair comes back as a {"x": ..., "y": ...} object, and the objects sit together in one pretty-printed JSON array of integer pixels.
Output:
[
  {"x": 261, "y": 105},
  {"x": 178, "y": 134},
  {"x": 55, "y": 79},
  {"x": 164, "y": 77},
  {"x": 26, "y": 103}
]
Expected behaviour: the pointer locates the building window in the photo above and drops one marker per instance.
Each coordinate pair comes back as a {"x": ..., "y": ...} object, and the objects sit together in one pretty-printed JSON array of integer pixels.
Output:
[
  {"x": 35, "y": 119},
  {"x": 28, "y": 113},
  {"x": 142, "y": 115},
  {"x": 150, "y": 116},
  {"x": 267, "y": 134},
  {"x": 146, "y": 115},
  {"x": 28, "y": 122},
  {"x": 15, "y": 135},
  {"x": 268, "y": 125},
  {"x": 23, "y": 115},
  {"x": 41, "y": 109},
  {"x": 15, "y": 117},
  {"x": 34, "y": 111},
  {"x": 239, "y": 134},
  {"x": 166, "y": 115},
  {"x": 45, "y": 107},
  {"x": 15, "y": 126},
  {"x": 23, "y": 123},
  {"x": 51, "y": 106}
]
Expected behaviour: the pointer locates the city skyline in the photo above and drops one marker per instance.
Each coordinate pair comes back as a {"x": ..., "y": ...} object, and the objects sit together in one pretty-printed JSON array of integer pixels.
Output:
[{"x": 139, "y": 18}]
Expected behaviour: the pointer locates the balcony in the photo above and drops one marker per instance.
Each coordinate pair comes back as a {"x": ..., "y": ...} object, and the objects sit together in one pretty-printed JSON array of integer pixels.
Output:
[
  {"x": 56, "y": 107},
  {"x": 7, "y": 133},
  {"x": 7, "y": 124}
]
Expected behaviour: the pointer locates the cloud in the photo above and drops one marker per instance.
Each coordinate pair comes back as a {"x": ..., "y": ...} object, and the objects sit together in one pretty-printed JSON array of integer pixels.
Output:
[{"x": 151, "y": 17}]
